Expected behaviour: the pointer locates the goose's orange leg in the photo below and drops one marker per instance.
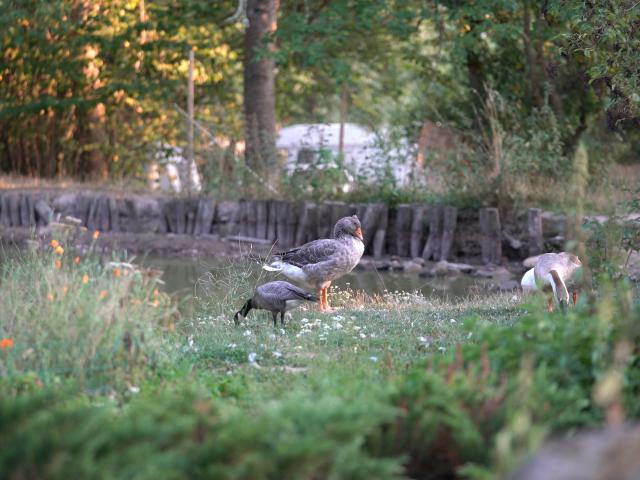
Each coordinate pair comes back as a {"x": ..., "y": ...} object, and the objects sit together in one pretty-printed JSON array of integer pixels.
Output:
[
  {"x": 321, "y": 299},
  {"x": 326, "y": 300},
  {"x": 575, "y": 298},
  {"x": 549, "y": 305}
]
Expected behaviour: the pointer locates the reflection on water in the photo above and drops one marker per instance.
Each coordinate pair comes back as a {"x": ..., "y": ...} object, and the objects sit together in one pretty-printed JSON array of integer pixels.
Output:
[{"x": 181, "y": 275}]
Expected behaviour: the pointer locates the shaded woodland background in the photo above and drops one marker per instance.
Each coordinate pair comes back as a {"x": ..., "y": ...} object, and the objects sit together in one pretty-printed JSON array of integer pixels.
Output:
[{"x": 506, "y": 89}]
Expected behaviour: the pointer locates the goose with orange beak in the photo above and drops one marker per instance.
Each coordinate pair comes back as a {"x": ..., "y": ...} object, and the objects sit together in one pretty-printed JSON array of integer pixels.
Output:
[{"x": 316, "y": 264}]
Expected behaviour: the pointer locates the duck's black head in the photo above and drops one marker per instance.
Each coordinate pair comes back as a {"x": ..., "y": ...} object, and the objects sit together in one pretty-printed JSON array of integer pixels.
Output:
[
  {"x": 243, "y": 311},
  {"x": 348, "y": 226}
]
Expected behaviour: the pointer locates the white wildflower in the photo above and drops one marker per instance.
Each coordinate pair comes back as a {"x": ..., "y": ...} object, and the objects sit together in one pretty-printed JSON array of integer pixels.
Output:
[
  {"x": 252, "y": 357},
  {"x": 247, "y": 333},
  {"x": 373, "y": 358},
  {"x": 277, "y": 354}
]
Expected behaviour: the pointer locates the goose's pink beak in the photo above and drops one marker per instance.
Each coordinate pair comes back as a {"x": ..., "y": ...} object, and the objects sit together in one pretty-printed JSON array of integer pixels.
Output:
[{"x": 358, "y": 233}]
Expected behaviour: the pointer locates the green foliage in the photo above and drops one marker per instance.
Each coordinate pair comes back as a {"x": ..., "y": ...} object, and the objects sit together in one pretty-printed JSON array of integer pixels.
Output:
[
  {"x": 71, "y": 318},
  {"x": 88, "y": 87},
  {"x": 189, "y": 435}
]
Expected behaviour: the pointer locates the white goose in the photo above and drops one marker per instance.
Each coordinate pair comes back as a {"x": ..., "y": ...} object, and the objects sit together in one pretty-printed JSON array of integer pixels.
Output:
[{"x": 553, "y": 270}]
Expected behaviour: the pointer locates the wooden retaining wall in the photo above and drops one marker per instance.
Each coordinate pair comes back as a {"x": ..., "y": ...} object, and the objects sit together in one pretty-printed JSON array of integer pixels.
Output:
[{"x": 433, "y": 232}]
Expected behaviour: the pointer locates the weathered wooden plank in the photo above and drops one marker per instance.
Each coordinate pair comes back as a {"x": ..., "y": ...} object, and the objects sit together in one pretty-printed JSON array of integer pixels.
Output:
[
  {"x": 434, "y": 241},
  {"x": 449, "y": 220},
  {"x": 417, "y": 231},
  {"x": 262, "y": 217},
  {"x": 403, "y": 229},
  {"x": 491, "y": 242},
  {"x": 534, "y": 229}
]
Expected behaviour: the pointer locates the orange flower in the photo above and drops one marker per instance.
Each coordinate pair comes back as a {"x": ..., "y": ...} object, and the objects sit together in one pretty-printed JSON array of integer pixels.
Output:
[
  {"x": 155, "y": 303},
  {"x": 54, "y": 243},
  {"x": 126, "y": 272},
  {"x": 6, "y": 343},
  {"x": 96, "y": 234},
  {"x": 59, "y": 250},
  {"x": 58, "y": 264},
  {"x": 155, "y": 292},
  {"x": 76, "y": 260},
  {"x": 103, "y": 294},
  {"x": 116, "y": 272},
  {"x": 65, "y": 289},
  {"x": 85, "y": 279},
  {"x": 50, "y": 296}
]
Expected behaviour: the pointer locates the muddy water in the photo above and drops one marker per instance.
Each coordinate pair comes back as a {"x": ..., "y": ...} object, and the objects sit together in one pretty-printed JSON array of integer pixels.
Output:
[{"x": 183, "y": 276}]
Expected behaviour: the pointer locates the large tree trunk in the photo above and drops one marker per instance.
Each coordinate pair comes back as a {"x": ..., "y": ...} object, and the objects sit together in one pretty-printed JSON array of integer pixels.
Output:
[
  {"x": 534, "y": 84},
  {"x": 95, "y": 164},
  {"x": 259, "y": 85}
]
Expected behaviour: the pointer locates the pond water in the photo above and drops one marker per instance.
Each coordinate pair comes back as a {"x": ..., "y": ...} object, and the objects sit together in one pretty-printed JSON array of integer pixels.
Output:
[{"x": 184, "y": 276}]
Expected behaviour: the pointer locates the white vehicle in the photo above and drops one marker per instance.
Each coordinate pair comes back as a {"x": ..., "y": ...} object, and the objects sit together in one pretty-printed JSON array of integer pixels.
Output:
[{"x": 363, "y": 156}]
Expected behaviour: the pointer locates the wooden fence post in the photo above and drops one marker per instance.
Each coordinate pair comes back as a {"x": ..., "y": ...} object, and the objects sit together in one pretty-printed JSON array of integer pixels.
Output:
[{"x": 491, "y": 236}]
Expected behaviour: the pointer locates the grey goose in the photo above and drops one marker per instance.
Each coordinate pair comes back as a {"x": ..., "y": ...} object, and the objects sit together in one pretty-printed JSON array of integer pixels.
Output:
[
  {"x": 276, "y": 297},
  {"x": 316, "y": 264}
]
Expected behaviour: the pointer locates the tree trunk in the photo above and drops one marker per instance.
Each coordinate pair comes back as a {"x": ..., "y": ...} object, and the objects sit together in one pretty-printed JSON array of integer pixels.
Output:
[
  {"x": 556, "y": 101},
  {"x": 476, "y": 84},
  {"x": 94, "y": 163},
  {"x": 534, "y": 83},
  {"x": 259, "y": 85}
]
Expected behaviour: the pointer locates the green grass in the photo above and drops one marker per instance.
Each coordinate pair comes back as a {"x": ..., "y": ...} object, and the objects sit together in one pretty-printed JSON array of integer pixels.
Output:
[{"x": 386, "y": 387}]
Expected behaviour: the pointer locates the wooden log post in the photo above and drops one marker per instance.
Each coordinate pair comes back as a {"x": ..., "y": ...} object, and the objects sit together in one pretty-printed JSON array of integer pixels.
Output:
[
  {"x": 114, "y": 215},
  {"x": 223, "y": 218},
  {"x": 391, "y": 232},
  {"x": 14, "y": 209},
  {"x": 191, "y": 214},
  {"x": 449, "y": 221},
  {"x": 417, "y": 231},
  {"x": 242, "y": 219},
  {"x": 292, "y": 224},
  {"x": 380, "y": 236},
  {"x": 491, "y": 236},
  {"x": 282, "y": 224},
  {"x": 176, "y": 216},
  {"x": 534, "y": 228},
  {"x": 204, "y": 216},
  {"x": 234, "y": 226},
  {"x": 44, "y": 212},
  {"x": 403, "y": 230},
  {"x": 262, "y": 216},
  {"x": 27, "y": 213},
  {"x": 434, "y": 240},
  {"x": 5, "y": 216},
  {"x": 369, "y": 215},
  {"x": 81, "y": 208},
  {"x": 98, "y": 216},
  {"x": 324, "y": 221},
  {"x": 251, "y": 218},
  {"x": 272, "y": 220},
  {"x": 306, "y": 228}
]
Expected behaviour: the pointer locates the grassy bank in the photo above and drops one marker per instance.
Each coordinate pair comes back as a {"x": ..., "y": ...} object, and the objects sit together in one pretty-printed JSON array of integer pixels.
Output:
[{"x": 101, "y": 378}]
